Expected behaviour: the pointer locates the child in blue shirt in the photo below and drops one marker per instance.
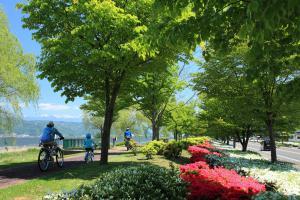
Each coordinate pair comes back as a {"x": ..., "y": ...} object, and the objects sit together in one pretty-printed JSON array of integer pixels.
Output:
[{"x": 88, "y": 144}]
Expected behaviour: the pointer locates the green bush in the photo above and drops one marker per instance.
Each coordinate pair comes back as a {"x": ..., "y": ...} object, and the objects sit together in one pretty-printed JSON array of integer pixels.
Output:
[
  {"x": 140, "y": 182},
  {"x": 120, "y": 144},
  {"x": 173, "y": 149},
  {"x": 193, "y": 141},
  {"x": 153, "y": 148}
]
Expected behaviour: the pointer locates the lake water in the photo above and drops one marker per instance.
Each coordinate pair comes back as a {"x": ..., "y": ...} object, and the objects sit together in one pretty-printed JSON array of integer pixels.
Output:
[
  {"x": 34, "y": 141},
  {"x": 19, "y": 141}
]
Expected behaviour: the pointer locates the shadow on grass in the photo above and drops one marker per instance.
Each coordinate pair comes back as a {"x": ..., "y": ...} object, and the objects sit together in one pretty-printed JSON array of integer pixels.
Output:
[
  {"x": 90, "y": 171},
  {"x": 30, "y": 170},
  {"x": 182, "y": 160}
]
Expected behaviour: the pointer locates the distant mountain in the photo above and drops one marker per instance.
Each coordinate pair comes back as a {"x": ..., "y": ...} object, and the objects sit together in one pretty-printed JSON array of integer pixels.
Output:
[{"x": 35, "y": 127}]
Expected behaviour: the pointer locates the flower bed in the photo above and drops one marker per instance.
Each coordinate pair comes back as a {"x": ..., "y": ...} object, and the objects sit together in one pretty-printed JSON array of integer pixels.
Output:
[
  {"x": 207, "y": 182},
  {"x": 218, "y": 183}
]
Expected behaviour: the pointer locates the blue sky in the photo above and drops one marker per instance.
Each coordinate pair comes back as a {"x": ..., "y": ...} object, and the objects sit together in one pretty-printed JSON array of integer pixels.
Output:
[{"x": 51, "y": 106}]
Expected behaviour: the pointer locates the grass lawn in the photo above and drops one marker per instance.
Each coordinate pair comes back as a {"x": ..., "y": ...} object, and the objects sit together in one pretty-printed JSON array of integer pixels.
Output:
[
  {"x": 29, "y": 156},
  {"x": 84, "y": 174}
]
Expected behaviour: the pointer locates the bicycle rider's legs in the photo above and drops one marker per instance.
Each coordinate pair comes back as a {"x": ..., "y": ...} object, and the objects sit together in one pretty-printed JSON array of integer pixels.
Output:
[{"x": 87, "y": 150}]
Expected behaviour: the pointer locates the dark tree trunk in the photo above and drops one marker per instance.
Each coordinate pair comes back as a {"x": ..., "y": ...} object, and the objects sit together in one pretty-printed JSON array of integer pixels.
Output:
[
  {"x": 269, "y": 123},
  {"x": 176, "y": 134},
  {"x": 245, "y": 138},
  {"x": 110, "y": 101},
  {"x": 227, "y": 140},
  {"x": 106, "y": 136},
  {"x": 155, "y": 130},
  {"x": 234, "y": 142}
]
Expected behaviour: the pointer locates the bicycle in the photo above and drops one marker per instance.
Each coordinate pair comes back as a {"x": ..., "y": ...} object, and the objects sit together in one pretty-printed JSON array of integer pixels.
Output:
[
  {"x": 89, "y": 157},
  {"x": 46, "y": 154}
]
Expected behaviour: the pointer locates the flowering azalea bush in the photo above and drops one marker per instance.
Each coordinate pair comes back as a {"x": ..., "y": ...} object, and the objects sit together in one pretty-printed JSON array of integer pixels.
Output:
[
  {"x": 218, "y": 182},
  {"x": 199, "y": 152},
  {"x": 206, "y": 145}
]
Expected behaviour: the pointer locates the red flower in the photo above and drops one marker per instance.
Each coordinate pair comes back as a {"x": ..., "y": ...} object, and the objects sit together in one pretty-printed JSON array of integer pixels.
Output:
[{"x": 214, "y": 183}]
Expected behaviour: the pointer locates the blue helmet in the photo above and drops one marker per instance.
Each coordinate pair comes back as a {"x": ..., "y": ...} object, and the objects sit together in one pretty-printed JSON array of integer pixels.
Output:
[{"x": 88, "y": 136}]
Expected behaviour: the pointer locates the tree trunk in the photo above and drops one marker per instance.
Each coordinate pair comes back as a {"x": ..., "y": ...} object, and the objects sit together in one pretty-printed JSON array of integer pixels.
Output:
[
  {"x": 106, "y": 135},
  {"x": 227, "y": 140},
  {"x": 155, "y": 131},
  {"x": 245, "y": 138},
  {"x": 176, "y": 134},
  {"x": 110, "y": 101},
  {"x": 269, "y": 123},
  {"x": 234, "y": 142}
]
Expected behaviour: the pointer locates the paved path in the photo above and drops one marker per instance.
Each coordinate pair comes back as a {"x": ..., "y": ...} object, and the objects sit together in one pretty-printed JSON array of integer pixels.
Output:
[
  {"x": 20, "y": 174},
  {"x": 287, "y": 154}
]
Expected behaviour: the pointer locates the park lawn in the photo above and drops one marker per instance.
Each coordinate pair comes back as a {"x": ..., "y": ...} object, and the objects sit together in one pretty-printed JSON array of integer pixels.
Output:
[
  {"x": 85, "y": 174},
  {"x": 18, "y": 158},
  {"x": 10, "y": 159}
]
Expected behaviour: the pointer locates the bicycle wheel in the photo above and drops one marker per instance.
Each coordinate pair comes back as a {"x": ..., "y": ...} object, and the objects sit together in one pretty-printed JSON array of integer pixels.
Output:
[
  {"x": 43, "y": 160},
  {"x": 59, "y": 157},
  {"x": 89, "y": 157}
]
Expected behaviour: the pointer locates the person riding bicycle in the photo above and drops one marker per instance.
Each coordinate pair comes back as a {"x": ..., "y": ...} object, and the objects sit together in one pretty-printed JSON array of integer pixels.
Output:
[
  {"x": 47, "y": 137},
  {"x": 127, "y": 137},
  {"x": 88, "y": 144}
]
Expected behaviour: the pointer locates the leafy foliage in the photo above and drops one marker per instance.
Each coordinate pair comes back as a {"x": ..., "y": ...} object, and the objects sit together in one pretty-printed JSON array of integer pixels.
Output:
[
  {"x": 153, "y": 148},
  {"x": 173, "y": 149},
  {"x": 218, "y": 183},
  {"x": 153, "y": 92},
  {"x": 17, "y": 76},
  {"x": 142, "y": 182}
]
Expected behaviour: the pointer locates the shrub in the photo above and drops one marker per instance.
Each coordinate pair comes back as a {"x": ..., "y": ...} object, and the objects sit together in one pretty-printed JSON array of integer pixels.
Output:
[
  {"x": 218, "y": 182},
  {"x": 153, "y": 148},
  {"x": 120, "y": 144},
  {"x": 149, "y": 151},
  {"x": 193, "y": 141},
  {"x": 173, "y": 149},
  {"x": 140, "y": 182},
  {"x": 200, "y": 153}
]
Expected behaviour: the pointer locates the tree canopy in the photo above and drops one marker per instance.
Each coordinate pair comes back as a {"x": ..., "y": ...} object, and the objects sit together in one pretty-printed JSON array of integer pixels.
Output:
[{"x": 17, "y": 76}]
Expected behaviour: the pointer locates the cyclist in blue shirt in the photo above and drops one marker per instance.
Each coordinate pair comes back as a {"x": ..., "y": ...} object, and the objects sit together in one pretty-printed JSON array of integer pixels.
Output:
[
  {"x": 47, "y": 137},
  {"x": 127, "y": 138},
  {"x": 88, "y": 144}
]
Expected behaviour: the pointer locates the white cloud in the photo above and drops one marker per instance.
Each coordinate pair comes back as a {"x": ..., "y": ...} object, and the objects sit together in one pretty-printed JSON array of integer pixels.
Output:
[
  {"x": 53, "y": 107},
  {"x": 61, "y": 116}
]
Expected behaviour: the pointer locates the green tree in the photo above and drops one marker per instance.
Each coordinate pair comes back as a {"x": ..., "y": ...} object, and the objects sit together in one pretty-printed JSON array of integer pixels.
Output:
[
  {"x": 153, "y": 91},
  {"x": 133, "y": 119},
  {"x": 229, "y": 95},
  {"x": 91, "y": 48},
  {"x": 255, "y": 88},
  {"x": 220, "y": 22},
  {"x": 88, "y": 48},
  {"x": 181, "y": 118},
  {"x": 275, "y": 72},
  {"x": 17, "y": 76}
]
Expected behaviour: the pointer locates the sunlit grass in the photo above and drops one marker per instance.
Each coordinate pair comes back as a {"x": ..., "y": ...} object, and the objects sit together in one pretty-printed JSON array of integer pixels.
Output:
[{"x": 84, "y": 174}]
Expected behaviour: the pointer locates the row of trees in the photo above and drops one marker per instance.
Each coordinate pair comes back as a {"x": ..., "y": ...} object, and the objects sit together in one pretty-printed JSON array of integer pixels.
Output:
[
  {"x": 96, "y": 49},
  {"x": 107, "y": 50}
]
